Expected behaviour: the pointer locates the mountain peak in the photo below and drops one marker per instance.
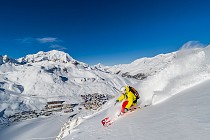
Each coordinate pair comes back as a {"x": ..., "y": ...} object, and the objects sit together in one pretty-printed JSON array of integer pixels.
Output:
[
  {"x": 6, "y": 59},
  {"x": 53, "y": 55}
]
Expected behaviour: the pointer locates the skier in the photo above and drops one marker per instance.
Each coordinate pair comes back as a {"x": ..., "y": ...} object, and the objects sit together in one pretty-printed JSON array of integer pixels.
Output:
[
  {"x": 130, "y": 100},
  {"x": 129, "y": 97}
]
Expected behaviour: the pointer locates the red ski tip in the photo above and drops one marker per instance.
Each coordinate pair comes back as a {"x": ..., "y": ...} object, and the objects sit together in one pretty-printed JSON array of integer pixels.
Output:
[{"x": 106, "y": 121}]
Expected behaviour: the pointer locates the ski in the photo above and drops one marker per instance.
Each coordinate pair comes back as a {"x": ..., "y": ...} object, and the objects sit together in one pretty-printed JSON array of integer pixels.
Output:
[{"x": 107, "y": 121}]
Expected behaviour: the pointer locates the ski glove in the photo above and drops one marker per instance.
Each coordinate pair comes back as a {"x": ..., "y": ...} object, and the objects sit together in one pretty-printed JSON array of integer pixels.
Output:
[
  {"x": 125, "y": 110},
  {"x": 116, "y": 102}
]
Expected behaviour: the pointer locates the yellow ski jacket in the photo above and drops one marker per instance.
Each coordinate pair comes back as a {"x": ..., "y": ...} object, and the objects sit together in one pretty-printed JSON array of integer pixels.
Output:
[{"x": 129, "y": 96}]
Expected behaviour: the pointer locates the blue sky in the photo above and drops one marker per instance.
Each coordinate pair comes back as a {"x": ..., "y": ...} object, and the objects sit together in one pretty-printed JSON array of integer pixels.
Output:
[{"x": 102, "y": 31}]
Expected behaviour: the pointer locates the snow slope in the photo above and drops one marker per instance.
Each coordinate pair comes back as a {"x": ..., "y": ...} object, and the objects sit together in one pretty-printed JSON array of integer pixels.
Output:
[
  {"x": 183, "y": 117},
  {"x": 45, "y": 128}
]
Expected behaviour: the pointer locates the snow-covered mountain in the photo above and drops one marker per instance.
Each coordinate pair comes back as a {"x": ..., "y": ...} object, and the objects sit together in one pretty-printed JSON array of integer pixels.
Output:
[
  {"x": 144, "y": 67},
  {"x": 51, "y": 56},
  {"x": 49, "y": 76},
  {"x": 6, "y": 59},
  {"x": 47, "y": 56}
]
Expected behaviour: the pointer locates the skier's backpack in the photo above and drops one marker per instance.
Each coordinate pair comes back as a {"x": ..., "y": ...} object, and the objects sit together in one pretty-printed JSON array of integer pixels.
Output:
[{"x": 134, "y": 92}]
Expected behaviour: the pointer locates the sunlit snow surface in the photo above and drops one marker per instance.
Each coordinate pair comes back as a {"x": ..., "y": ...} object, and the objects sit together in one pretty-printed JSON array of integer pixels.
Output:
[
  {"x": 183, "y": 117},
  {"x": 177, "y": 90}
]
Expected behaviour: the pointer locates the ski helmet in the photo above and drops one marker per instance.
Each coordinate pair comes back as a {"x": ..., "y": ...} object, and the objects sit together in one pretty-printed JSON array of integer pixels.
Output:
[{"x": 122, "y": 89}]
